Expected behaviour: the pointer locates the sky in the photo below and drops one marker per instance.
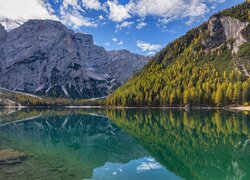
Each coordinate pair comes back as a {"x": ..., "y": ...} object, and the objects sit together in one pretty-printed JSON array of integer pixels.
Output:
[{"x": 141, "y": 26}]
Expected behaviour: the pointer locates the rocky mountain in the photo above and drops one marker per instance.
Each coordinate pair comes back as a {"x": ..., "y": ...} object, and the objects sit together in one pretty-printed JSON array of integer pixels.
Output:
[
  {"x": 10, "y": 24},
  {"x": 209, "y": 66},
  {"x": 224, "y": 28},
  {"x": 123, "y": 64},
  {"x": 43, "y": 57}
]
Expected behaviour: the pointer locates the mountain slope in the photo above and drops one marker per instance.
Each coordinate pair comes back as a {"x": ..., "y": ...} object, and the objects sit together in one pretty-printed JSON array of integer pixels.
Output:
[
  {"x": 43, "y": 57},
  {"x": 123, "y": 64},
  {"x": 207, "y": 66}
]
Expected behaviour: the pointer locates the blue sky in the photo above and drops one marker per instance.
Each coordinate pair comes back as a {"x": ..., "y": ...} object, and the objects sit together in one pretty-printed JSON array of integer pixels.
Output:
[{"x": 141, "y": 26}]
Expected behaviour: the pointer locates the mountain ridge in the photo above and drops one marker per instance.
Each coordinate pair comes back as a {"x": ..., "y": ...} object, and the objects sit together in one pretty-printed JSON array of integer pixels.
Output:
[
  {"x": 44, "y": 57},
  {"x": 198, "y": 68}
]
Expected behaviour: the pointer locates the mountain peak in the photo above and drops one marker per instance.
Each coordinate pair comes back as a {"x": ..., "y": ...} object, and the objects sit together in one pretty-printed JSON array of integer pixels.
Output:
[
  {"x": 208, "y": 66},
  {"x": 44, "y": 24},
  {"x": 39, "y": 21},
  {"x": 43, "y": 57}
]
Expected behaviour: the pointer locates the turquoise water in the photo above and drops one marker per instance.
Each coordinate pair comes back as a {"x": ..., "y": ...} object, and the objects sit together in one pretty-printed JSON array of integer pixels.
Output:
[{"x": 127, "y": 144}]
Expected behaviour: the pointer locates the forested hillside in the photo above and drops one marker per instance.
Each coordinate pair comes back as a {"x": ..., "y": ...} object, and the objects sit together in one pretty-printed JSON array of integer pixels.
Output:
[{"x": 209, "y": 66}]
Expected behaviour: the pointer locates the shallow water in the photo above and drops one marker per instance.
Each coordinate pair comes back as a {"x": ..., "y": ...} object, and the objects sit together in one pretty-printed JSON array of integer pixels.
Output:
[{"x": 127, "y": 144}]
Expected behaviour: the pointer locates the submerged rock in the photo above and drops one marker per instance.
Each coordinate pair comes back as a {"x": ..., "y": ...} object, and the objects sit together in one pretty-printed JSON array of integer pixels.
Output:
[{"x": 11, "y": 157}]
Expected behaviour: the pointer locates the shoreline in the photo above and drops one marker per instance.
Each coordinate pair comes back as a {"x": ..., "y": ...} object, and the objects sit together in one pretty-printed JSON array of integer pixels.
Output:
[{"x": 241, "y": 108}]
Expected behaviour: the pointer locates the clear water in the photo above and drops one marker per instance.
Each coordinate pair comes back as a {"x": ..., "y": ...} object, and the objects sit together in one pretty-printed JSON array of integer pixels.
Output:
[{"x": 126, "y": 144}]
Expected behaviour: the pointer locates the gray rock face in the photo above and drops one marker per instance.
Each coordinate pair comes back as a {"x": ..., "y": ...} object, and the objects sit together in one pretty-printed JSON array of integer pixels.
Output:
[
  {"x": 3, "y": 33},
  {"x": 123, "y": 64},
  {"x": 44, "y": 57},
  {"x": 222, "y": 29}
]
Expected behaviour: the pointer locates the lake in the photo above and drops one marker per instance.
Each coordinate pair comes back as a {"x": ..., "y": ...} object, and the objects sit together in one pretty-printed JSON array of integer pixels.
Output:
[{"x": 125, "y": 144}]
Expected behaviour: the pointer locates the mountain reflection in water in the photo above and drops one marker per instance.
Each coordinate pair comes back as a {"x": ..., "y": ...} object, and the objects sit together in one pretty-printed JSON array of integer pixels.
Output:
[{"x": 127, "y": 144}]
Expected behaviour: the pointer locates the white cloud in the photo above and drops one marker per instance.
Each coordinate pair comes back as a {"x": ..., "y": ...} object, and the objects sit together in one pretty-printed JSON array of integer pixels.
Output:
[
  {"x": 145, "y": 166},
  {"x": 106, "y": 44},
  {"x": 13, "y": 12},
  {"x": 218, "y": 1},
  {"x": 120, "y": 43},
  {"x": 67, "y": 4},
  {"x": 75, "y": 20},
  {"x": 27, "y": 9},
  {"x": 20, "y": 11},
  {"x": 166, "y": 29},
  {"x": 100, "y": 17},
  {"x": 170, "y": 9},
  {"x": 141, "y": 25},
  {"x": 124, "y": 24},
  {"x": 150, "y": 53},
  {"x": 165, "y": 10},
  {"x": 144, "y": 46},
  {"x": 70, "y": 15},
  {"x": 91, "y": 4},
  {"x": 190, "y": 21},
  {"x": 73, "y": 13},
  {"x": 117, "y": 12}
]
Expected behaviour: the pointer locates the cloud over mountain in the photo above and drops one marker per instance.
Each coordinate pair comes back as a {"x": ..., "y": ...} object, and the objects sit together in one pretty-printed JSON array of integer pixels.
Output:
[{"x": 124, "y": 19}]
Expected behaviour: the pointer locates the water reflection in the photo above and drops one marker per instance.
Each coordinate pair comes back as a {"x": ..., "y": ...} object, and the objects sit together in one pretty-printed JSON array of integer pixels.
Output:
[
  {"x": 195, "y": 145},
  {"x": 68, "y": 146},
  {"x": 144, "y": 168},
  {"x": 129, "y": 144}
]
